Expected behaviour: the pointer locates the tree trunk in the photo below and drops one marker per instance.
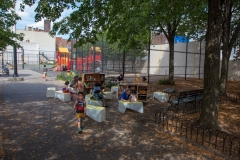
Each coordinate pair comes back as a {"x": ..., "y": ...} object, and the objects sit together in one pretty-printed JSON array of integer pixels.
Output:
[
  {"x": 209, "y": 112},
  {"x": 171, "y": 60},
  {"x": 227, "y": 41},
  {"x": 224, "y": 71}
]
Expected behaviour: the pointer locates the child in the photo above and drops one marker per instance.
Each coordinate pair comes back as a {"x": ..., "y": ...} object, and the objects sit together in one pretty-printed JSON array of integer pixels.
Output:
[
  {"x": 45, "y": 72},
  {"x": 80, "y": 84},
  {"x": 133, "y": 97},
  {"x": 98, "y": 93},
  {"x": 80, "y": 109},
  {"x": 66, "y": 90}
]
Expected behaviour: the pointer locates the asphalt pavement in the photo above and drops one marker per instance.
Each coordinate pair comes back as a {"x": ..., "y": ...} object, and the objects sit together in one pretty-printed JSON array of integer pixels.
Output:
[{"x": 36, "y": 127}]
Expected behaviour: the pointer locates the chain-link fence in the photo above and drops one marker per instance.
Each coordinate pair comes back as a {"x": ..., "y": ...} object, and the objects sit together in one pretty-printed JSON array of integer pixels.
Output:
[
  {"x": 28, "y": 58},
  {"x": 188, "y": 60},
  {"x": 103, "y": 57}
]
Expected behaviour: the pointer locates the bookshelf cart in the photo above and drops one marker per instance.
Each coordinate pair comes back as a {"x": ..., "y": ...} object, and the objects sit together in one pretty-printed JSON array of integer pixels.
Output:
[
  {"x": 139, "y": 88},
  {"x": 89, "y": 79}
]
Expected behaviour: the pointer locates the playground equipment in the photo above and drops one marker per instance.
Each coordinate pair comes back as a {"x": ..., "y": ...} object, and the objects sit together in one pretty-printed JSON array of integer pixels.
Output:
[
  {"x": 63, "y": 59},
  {"x": 87, "y": 63}
]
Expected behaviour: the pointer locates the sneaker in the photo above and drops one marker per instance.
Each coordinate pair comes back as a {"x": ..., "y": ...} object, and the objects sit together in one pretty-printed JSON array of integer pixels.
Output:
[{"x": 79, "y": 130}]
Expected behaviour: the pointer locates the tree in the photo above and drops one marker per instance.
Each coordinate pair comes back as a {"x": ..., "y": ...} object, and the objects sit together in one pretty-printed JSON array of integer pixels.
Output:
[
  {"x": 230, "y": 33},
  {"x": 177, "y": 18},
  {"x": 8, "y": 20},
  {"x": 127, "y": 22},
  {"x": 209, "y": 111}
]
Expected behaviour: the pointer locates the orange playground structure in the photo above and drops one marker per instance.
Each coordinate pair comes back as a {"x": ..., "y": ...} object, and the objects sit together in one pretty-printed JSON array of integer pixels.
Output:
[
  {"x": 85, "y": 63},
  {"x": 63, "y": 59}
]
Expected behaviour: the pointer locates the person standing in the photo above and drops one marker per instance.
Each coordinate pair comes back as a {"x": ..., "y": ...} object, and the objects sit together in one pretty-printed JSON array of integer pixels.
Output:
[
  {"x": 80, "y": 109},
  {"x": 45, "y": 72},
  {"x": 120, "y": 78}
]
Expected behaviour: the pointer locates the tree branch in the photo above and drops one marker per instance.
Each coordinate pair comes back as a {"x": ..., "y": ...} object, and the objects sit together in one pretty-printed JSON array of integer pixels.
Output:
[
  {"x": 235, "y": 35},
  {"x": 165, "y": 33}
]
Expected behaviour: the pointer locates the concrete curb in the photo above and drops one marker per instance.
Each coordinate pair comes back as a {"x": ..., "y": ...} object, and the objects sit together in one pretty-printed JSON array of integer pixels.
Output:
[{"x": 16, "y": 79}]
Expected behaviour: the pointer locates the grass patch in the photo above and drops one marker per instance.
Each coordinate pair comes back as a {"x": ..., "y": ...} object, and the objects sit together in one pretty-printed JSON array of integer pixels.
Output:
[{"x": 165, "y": 82}]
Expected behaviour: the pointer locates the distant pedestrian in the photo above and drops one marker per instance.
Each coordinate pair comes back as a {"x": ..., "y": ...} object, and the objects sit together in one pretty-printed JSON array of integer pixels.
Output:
[
  {"x": 144, "y": 79},
  {"x": 80, "y": 109},
  {"x": 120, "y": 78},
  {"x": 45, "y": 72}
]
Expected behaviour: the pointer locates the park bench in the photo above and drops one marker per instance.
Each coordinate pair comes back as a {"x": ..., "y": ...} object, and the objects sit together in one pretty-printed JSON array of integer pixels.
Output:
[
  {"x": 186, "y": 97},
  {"x": 182, "y": 98}
]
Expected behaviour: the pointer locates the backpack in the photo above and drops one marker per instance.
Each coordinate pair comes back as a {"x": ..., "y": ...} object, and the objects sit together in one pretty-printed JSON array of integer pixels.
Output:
[{"x": 80, "y": 106}]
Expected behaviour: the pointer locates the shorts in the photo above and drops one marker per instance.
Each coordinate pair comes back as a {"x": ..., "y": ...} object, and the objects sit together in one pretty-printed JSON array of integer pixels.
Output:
[
  {"x": 79, "y": 115},
  {"x": 45, "y": 73}
]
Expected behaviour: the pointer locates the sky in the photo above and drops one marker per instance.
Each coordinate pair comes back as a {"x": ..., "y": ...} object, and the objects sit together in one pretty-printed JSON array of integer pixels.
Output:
[{"x": 27, "y": 18}]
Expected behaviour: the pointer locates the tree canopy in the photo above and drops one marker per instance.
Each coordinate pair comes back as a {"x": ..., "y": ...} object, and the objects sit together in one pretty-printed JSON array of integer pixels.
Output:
[{"x": 8, "y": 20}]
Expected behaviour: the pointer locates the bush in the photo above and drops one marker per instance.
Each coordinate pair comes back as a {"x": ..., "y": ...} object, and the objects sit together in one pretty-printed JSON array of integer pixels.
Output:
[
  {"x": 109, "y": 84},
  {"x": 164, "y": 82},
  {"x": 63, "y": 76}
]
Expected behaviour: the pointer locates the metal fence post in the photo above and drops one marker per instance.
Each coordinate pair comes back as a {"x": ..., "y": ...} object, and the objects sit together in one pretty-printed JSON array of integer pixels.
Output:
[
  {"x": 87, "y": 57},
  {"x": 2, "y": 60},
  {"x": 200, "y": 61},
  {"x": 39, "y": 58},
  {"x": 94, "y": 58},
  {"x": 123, "y": 63},
  {"x": 113, "y": 64},
  {"x": 149, "y": 47},
  {"x": 82, "y": 58},
  {"x": 119, "y": 68},
  {"x": 102, "y": 59},
  {"x": 22, "y": 58},
  {"x": 186, "y": 60},
  {"x": 15, "y": 74}
]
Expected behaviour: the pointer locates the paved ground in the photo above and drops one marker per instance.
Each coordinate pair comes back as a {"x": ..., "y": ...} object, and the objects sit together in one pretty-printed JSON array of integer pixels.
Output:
[{"x": 35, "y": 127}]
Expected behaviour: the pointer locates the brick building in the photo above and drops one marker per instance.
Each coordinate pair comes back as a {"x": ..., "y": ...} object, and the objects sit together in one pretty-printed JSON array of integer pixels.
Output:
[
  {"x": 60, "y": 42},
  {"x": 47, "y": 25},
  {"x": 159, "y": 39}
]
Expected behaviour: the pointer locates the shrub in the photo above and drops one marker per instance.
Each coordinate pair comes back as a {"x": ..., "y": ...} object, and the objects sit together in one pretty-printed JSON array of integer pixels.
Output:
[
  {"x": 109, "y": 84},
  {"x": 63, "y": 76},
  {"x": 164, "y": 82}
]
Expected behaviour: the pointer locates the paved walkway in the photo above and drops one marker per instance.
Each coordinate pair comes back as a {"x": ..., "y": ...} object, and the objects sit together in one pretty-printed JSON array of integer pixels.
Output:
[{"x": 35, "y": 127}]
